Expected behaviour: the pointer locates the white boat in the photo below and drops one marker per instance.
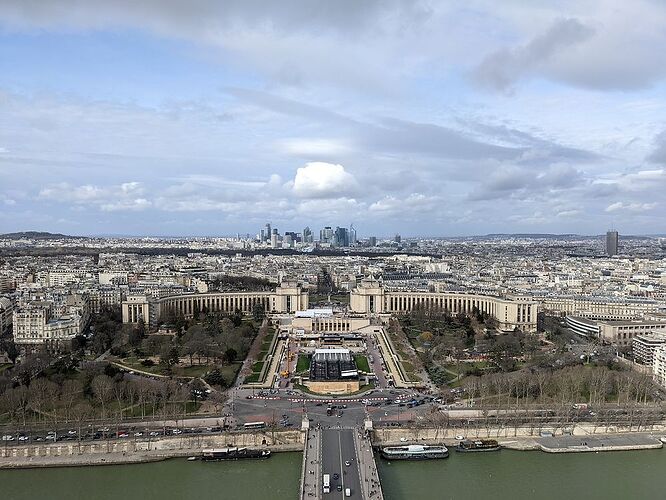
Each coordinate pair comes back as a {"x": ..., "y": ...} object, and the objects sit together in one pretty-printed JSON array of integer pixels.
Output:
[{"x": 414, "y": 452}]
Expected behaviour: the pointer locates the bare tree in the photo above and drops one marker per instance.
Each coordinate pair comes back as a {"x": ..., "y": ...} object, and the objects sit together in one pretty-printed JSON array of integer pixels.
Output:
[
  {"x": 119, "y": 390},
  {"x": 71, "y": 392},
  {"x": 80, "y": 414},
  {"x": 217, "y": 399},
  {"x": 37, "y": 396},
  {"x": 102, "y": 386}
]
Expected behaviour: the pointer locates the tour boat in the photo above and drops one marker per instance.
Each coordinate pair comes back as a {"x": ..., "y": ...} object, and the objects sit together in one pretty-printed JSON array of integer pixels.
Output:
[{"x": 414, "y": 452}]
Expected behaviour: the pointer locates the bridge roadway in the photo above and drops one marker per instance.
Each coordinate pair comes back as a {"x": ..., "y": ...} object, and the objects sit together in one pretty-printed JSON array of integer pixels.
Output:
[{"x": 328, "y": 451}]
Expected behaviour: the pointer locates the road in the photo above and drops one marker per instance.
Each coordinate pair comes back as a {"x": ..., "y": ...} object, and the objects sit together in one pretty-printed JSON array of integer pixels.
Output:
[
  {"x": 337, "y": 449},
  {"x": 377, "y": 364}
]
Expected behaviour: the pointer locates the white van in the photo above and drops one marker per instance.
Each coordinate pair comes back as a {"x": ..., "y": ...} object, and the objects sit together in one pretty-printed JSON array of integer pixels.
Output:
[{"x": 347, "y": 492}]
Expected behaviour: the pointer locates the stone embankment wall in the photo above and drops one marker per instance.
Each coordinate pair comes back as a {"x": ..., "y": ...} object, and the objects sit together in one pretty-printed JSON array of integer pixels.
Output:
[
  {"x": 129, "y": 450},
  {"x": 397, "y": 435}
]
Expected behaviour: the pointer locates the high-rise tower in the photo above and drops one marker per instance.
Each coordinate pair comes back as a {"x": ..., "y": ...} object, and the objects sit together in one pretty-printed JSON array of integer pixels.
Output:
[{"x": 612, "y": 242}]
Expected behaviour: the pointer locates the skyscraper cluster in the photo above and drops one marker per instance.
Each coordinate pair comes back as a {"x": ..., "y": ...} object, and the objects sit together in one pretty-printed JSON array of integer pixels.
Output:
[{"x": 338, "y": 237}]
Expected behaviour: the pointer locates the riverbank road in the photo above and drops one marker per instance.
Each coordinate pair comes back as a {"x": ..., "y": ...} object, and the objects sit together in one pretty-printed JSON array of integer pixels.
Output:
[
  {"x": 312, "y": 475},
  {"x": 370, "y": 486}
]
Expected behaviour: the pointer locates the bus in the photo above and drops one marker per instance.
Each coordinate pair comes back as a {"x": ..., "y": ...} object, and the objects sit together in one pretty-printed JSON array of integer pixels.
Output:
[
  {"x": 327, "y": 483},
  {"x": 255, "y": 425}
]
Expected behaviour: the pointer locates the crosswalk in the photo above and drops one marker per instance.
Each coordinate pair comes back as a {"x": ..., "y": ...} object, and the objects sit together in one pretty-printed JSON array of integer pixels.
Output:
[{"x": 310, "y": 400}]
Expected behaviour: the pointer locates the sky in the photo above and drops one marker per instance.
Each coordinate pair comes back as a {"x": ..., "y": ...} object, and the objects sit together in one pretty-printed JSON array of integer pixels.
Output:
[{"x": 424, "y": 118}]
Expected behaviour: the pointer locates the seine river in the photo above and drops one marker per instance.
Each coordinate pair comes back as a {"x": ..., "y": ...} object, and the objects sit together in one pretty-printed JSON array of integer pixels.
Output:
[{"x": 502, "y": 475}]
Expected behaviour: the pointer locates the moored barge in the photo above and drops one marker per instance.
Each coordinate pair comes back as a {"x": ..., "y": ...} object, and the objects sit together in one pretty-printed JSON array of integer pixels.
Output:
[
  {"x": 233, "y": 453},
  {"x": 414, "y": 452},
  {"x": 469, "y": 445}
]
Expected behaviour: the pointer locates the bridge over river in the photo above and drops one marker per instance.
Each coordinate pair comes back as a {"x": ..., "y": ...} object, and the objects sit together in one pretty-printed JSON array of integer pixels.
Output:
[{"x": 344, "y": 455}]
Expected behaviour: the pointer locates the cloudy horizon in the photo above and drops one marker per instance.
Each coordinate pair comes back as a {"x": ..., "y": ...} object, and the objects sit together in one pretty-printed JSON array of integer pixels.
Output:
[{"x": 157, "y": 117}]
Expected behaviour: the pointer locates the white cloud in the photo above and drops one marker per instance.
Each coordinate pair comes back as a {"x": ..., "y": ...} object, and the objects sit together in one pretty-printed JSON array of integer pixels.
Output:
[
  {"x": 115, "y": 198},
  {"x": 630, "y": 207},
  {"x": 314, "y": 147},
  {"x": 537, "y": 218},
  {"x": 137, "y": 204},
  {"x": 415, "y": 202},
  {"x": 568, "y": 213},
  {"x": 77, "y": 194},
  {"x": 323, "y": 180}
]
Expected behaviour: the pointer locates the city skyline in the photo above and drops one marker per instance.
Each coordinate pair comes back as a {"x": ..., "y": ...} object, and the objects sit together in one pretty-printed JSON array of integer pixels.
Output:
[
  {"x": 126, "y": 119},
  {"x": 329, "y": 237}
]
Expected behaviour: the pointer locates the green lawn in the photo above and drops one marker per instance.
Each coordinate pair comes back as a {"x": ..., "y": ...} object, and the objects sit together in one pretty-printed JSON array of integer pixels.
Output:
[
  {"x": 257, "y": 367},
  {"x": 191, "y": 371},
  {"x": 253, "y": 377},
  {"x": 362, "y": 363},
  {"x": 303, "y": 363},
  {"x": 230, "y": 372},
  {"x": 4, "y": 366},
  {"x": 135, "y": 364}
]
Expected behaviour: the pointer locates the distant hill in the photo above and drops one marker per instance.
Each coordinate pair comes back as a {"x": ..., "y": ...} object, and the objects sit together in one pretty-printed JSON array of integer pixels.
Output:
[
  {"x": 565, "y": 236},
  {"x": 533, "y": 235},
  {"x": 36, "y": 235}
]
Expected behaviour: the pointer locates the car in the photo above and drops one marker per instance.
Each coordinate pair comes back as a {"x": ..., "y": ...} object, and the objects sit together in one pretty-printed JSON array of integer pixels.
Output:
[
  {"x": 347, "y": 463},
  {"x": 123, "y": 435},
  {"x": 138, "y": 434},
  {"x": 339, "y": 487},
  {"x": 23, "y": 438},
  {"x": 176, "y": 431},
  {"x": 154, "y": 433},
  {"x": 8, "y": 437},
  {"x": 71, "y": 433},
  {"x": 460, "y": 437}
]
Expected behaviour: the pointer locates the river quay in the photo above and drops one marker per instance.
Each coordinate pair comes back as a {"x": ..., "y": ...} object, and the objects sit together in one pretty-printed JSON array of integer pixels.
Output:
[
  {"x": 129, "y": 451},
  {"x": 138, "y": 451},
  {"x": 582, "y": 444}
]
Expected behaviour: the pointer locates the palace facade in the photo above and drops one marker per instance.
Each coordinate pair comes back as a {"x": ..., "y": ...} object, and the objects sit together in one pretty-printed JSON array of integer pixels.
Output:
[
  {"x": 287, "y": 298},
  {"x": 370, "y": 297}
]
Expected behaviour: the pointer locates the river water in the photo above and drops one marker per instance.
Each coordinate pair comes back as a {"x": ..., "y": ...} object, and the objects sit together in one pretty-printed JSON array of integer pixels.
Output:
[
  {"x": 515, "y": 475},
  {"x": 501, "y": 475}
]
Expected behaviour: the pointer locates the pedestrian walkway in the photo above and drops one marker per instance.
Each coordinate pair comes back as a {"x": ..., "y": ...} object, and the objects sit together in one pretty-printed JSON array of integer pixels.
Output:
[
  {"x": 370, "y": 485},
  {"x": 311, "y": 476}
]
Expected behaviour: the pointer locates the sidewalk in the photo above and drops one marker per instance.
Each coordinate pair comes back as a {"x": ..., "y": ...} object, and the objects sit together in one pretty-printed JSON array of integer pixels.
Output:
[
  {"x": 311, "y": 474},
  {"x": 371, "y": 488}
]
